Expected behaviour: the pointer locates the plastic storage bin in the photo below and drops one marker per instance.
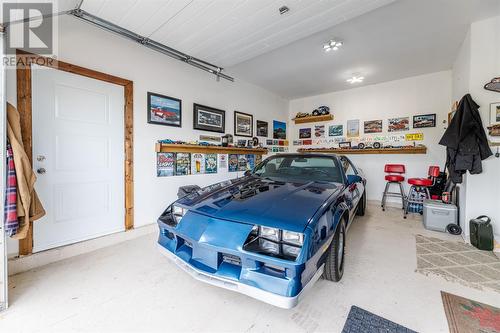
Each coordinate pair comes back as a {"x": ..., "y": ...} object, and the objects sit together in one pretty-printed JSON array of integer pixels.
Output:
[{"x": 438, "y": 215}]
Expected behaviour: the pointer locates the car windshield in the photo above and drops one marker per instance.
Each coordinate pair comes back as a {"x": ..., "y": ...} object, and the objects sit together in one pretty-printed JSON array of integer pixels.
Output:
[{"x": 300, "y": 169}]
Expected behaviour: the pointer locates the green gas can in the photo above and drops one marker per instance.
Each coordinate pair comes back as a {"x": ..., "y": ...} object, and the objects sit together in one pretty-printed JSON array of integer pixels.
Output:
[{"x": 481, "y": 233}]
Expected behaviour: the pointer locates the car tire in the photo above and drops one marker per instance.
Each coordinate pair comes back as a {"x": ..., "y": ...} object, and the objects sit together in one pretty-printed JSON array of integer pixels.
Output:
[
  {"x": 334, "y": 265},
  {"x": 362, "y": 205}
]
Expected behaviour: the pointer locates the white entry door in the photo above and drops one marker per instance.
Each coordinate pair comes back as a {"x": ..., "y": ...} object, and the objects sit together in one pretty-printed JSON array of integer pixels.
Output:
[{"x": 78, "y": 157}]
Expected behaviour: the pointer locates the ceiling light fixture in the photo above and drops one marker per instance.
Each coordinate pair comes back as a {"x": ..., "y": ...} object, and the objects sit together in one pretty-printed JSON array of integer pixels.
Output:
[
  {"x": 356, "y": 79},
  {"x": 332, "y": 45},
  {"x": 284, "y": 10}
]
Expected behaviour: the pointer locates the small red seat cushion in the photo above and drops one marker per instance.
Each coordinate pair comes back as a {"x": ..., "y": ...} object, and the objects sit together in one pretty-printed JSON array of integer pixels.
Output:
[
  {"x": 394, "y": 178},
  {"x": 420, "y": 181}
]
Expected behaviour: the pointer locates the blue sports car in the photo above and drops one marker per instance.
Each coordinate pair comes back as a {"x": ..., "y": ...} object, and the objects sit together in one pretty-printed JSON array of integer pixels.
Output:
[{"x": 272, "y": 233}]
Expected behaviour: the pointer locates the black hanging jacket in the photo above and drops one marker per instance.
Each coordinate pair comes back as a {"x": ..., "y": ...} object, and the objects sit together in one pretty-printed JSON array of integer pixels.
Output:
[{"x": 466, "y": 141}]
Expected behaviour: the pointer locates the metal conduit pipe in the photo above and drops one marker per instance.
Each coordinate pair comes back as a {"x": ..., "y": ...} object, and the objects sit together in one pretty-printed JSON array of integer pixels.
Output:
[{"x": 154, "y": 45}]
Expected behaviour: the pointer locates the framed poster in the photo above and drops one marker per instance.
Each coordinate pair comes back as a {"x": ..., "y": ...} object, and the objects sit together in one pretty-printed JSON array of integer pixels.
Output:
[
  {"x": 262, "y": 128},
  {"x": 279, "y": 130},
  {"x": 399, "y": 124},
  {"x": 211, "y": 163},
  {"x": 373, "y": 126},
  {"x": 319, "y": 131},
  {"x": 182, "y": 164},
  {"x": 209, "y": 119},
  {"x": 494, "y": 113},
  {"x": 223, "y": 161},
  {"x": 164, "y": 110},
  {"x": 336, "y": 130},
  {"x": 243, "y": 124},
  {"x": 250, "y": 162},
  {"x": 353, "y": 128},
  {"x": 233, "y": 162},
  {"x": 424, "y": 120},
  {"x": 304, "y": 133},
  {"x": 197, "y": 163},
  {"x": 164, "y": 164},
  {"x": 242, "y": 162}
]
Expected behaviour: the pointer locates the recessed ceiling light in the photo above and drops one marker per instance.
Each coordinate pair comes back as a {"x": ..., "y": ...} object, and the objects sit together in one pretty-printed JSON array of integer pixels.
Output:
[
  {"x": 356, "y": 79},
  {"x": 333, "y": 44}
]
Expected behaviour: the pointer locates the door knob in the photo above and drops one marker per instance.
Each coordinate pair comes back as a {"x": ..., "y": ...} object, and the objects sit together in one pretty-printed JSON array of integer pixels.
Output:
[{"x": 41, "y": 171}]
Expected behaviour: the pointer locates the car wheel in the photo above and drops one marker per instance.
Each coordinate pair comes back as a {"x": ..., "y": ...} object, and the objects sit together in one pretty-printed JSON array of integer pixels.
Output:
[
  {"x": 334, "y": 265},
  {"x": 362, "y": 205}
]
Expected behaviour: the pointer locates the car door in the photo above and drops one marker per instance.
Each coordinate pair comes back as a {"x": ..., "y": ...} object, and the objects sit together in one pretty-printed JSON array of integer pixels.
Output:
[{"x": 353, "y": 192}]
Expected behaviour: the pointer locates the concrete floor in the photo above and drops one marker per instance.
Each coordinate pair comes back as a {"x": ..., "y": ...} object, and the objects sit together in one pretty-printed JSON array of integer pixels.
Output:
[{"x": 131, "y": 287}]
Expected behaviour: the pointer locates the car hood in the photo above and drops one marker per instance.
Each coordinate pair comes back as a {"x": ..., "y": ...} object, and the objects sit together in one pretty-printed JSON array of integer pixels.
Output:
[{"x": 253, "y": 200}]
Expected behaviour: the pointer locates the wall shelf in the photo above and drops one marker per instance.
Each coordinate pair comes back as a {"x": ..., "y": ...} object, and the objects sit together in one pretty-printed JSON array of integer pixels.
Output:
[
  {"x": 313, "y": 119},
  {"x": 409, "y": 150},
  {"x": 180, "y": 148}
]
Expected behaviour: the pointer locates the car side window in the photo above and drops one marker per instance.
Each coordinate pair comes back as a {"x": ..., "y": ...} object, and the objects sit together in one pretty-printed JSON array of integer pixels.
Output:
[{"x": 347, "y": 166}]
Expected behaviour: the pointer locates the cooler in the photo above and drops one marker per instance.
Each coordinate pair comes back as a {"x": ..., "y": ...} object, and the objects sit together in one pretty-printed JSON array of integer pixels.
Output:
[{"x": 438, "y": 215}]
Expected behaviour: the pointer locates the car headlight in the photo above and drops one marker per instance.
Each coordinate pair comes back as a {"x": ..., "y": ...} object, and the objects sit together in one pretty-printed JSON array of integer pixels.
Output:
[
  {"x": 274, "y": 242},
  {"x": 178, "y": 213},
  {"x": 272, "y": 234},
  {"x": 295, "y": 238}
]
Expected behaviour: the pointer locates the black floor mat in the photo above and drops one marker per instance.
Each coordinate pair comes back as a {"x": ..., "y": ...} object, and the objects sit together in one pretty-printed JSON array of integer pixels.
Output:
[{"x": 362, "y": 321}]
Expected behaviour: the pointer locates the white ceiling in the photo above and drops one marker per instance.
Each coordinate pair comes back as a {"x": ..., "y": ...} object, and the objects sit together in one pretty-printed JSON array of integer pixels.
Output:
[
  {"x": 403, "y": 39},
  {"x": 227, "y": 32}
]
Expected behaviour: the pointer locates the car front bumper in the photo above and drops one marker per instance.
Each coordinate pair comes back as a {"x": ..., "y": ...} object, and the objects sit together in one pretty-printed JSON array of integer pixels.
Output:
[
  {"x": 242, "y": 288},
  {"x": 210, "y": 250}
]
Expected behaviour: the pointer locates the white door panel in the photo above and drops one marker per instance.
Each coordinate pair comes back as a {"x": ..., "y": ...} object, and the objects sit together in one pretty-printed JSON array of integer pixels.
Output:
[{"x": 78, "y": 154}]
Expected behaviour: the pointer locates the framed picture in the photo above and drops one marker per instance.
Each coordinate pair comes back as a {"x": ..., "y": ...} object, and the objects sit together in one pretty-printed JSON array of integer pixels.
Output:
[
  {"x": 164, "y": 110},
  {"x": 424, "y": 120},
  {"x": 243, "y": 124},
  {"x": 208, "y": 119},
  {"x": 495, "y": 113},
  {"x": 279, "y": 130},
  {"x": 336, "y": 130},
  {"x": 262, "y": 128},
  {"x": 373, "y": 126},
  {"x": 304, "y": 133},
  {"x": 399, "y": 124},
  {"x": 353, "y": 128},
  {"x": 319, "y": 131}
]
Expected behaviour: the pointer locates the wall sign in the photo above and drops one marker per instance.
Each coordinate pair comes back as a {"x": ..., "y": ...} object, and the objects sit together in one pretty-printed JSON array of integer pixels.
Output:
[{"x": 414, "y": 137}]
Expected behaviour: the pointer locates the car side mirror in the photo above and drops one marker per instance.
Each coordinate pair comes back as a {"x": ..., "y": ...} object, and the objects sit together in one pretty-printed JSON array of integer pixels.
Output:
[
  {"x": 248, "y": 173},
  {"x": 352, "y": 179}
]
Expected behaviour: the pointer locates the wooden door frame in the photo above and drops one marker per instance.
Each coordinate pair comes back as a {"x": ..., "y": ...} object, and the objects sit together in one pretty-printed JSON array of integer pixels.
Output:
[{"x": 24, "y": 60}]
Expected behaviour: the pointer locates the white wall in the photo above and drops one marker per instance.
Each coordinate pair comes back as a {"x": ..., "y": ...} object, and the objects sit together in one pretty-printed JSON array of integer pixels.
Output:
[
  {"x": 483, "y": 190},
  {"x": 84, "y": 45},
  {"x": 411, "y": 96}
]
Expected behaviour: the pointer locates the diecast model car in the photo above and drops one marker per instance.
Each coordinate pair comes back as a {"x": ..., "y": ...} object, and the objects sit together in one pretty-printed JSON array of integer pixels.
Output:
[
  {"x": 321, "y": 111},
  {"x": 301, "y": 115},
  {"x": 272, "y": 233}
]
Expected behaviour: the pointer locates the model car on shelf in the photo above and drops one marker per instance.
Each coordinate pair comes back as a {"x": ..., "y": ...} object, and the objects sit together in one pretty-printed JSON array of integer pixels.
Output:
[
  {"x": 302, "y": 115},
  {"x": 272, "y": 233},
  {"x": 321, "y": 111}
]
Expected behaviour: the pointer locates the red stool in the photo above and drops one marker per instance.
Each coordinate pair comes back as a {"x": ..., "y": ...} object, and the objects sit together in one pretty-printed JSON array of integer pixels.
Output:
[
  {"x": 419, "y": 189},
  {"x": 395, "y": 172}
]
